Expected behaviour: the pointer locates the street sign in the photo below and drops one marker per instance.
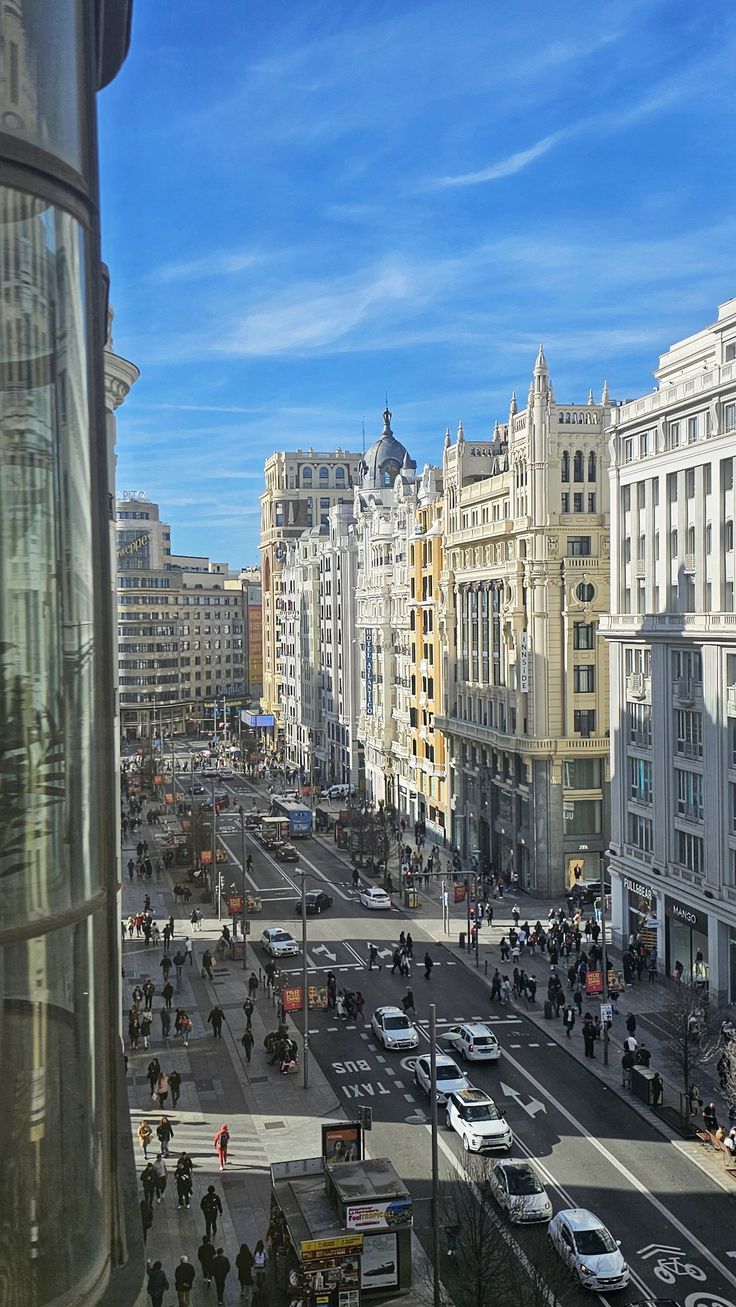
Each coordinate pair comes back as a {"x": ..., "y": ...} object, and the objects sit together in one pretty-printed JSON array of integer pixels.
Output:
[{"x": 606, "y": 1013}]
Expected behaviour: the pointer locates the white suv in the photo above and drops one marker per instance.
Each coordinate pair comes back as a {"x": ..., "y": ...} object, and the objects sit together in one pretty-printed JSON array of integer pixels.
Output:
[
  {"x": 474, "y": 1041},
  {"x": 477, "y": 1120}
]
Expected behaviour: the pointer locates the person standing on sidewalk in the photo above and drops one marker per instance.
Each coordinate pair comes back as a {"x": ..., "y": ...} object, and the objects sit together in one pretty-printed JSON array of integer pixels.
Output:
[
  {"x": 160, "y": 1177},
  {"x": 183, "y": 1281},
  {"x": 165, "y": 1022},
  {"x": 247, "y": 1042},
  {"x": 175, "y": 1087},
  {"x": 215, "y": 1019},
  {"x": 220, "y": 1272},
  {"x": 568, "y": 1019},
  {"x": 210, "y": 1207},
  {"x": 162, "y": 1089},
  {"x": 146, "y": 1022},
  {"x": 183, "y": 1181},
  {"x": 221, "y": 1141},
  {"x": 167, "y": 993},
  {"x": 149, "y": 989},
  {"x": 157, "y": 1284},
  {"x": 206, "y": 1256},
  {"x": 153, "y": 1073}
]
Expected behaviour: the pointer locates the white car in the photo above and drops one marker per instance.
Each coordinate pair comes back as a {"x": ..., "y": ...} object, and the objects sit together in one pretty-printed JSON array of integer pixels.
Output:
[
  {"x": 449, "y": 1076},
  {"x": 279, "y": 943},
  {"x": 373, "y": 897},
  {"x": 393, "y": 1028},
  {"x": 474, "y": 1041},
  {"x": 519, "y": 1191},
  {"x": 583, "y": 1241},
  {"x": 477, "y": 1120}
]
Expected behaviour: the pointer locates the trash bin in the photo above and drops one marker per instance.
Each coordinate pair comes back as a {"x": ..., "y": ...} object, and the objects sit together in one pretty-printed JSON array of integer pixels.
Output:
[
  {"x": 411, "y": 898},
  {"x": 643, "y": 1085},
  {"x": 548, "y": 1010},
  {"x": 461, "y": 939}
]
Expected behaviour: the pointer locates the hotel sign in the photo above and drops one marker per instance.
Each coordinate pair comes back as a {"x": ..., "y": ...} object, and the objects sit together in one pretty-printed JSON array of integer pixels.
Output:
[
  {"x": 369, "y": 672},
  {"x": 524, "y": 662}
]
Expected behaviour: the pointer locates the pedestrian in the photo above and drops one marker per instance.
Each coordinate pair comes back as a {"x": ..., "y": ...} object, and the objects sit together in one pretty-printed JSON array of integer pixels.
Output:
[
  {"x": 631, "y": 1023},
  {"x": 220, "y": 1272},
  {"x": 167, "y": 993},
  {"x": 162, "y": 1089},
  {"x": 183, "y": 1281},
  {"x": 165, "y": 964},
  {"x": 153, "y": 1073},
  {"x": 149, "y": 989},
  {"x": 183, "y": 1180},
  {"x": 505, "y": 950},
  {"x": 131, "y": 868},
  {"x": 207, "y": 961},
  {"x": 179, "y": 960},
  {"x": 186, "y": 1028},
  {"x": 221, "y": 1141},
  {"x": 146, "y": 1218},
  {"x": 145, "y": 1135},
  {"x": 188, "y": 950},
  {"x": 373, "y": 957},
  {"x": 157, "y": 1284},
  {"x": 359, "y": 1006},
  {"x": 252, "y": 986},
  {"x": 244, "y": 1267},
  {"x": 247, "y": 1042},
  {"x": 259, "y": 1263},
  {"x": 428, "y": 964},
  {"x": 628, "y": 1062},
  {"x": 248, "y": 1008},
  {"x": 407, "y": 1001},
  {"x": 577, "y": 999},
  {"x": 148, "y": 1181},
  {"x": 215, "y": 1019},
  {"x": 160, "y": 1177},
  {"x": 175, "y": 1087},
  {"x": 165, "y": 1015},
  {"x": 146, "y": 1021},
  {"x": 643, "y": 1056},
  {"x": 589, "y": 1036},
  {"x": 165, "y": 1134},
  {"x": 409, "y": 945},
  {"x": 568, "y": 1019},
  {"x": 249, "y": 863},
  {"x": 210, "y": 1206}
]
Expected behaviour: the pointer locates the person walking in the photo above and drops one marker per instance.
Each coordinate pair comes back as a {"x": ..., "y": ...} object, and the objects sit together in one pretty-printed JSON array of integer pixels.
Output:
[
  {"x": 183, "y": 1181},
  {"x": 210, "y": 1207},
  {"x": 175, "y": 1087},
  {"x": 160, "y": 1177},
  {"x": 568, "y": 1019},
  {"x": 373, "y": 957},
  {"x": 244, "y": 1267},
  {"x": 148, "y": 1181},
  {"x": 145, "y": 1135},
  {"x": 220, "y": 1272},
  {"x": 249, "y": 864},
  {"x": 409, "y": 945},
  {"x": 407, "y": 1002},
  {"x": 247, "y": 1042},
  {"x": 207, "y": 961},
  {"x": 165, "y": 1134},
  {"x": 167, "y": 993},
  {"x": 179, "y": 960},
  {"x": 146, "y": 1218},
  {"x": 165, "y": 1015},
  {"x": 631, "y": 1024},
  {"x": 165, "y": 964},
  {"x": 215, "y": 1019},
  {"x": 428, "y": 964},
  {"x": 359, "y": 1006},
  {"x": 149, "y": 989},
  {"x": 206, "y": 1256},
  {"x": 184, "y": 1280},
  {"x": 221, "y": 1141},
  {"x": 253, "y": 986},
  {"x": 248, "y": 1008},
  {"x": 162, "y": 1089},
  {"x": 153, "y": 1072},
  {"x": 259, "y": 1263},
  {"x": 157, "y": 1284},
  {"x": 188, "y": 950}
]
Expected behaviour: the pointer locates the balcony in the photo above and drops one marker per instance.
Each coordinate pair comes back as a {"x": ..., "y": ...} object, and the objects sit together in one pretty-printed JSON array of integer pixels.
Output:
[
  {"x": 689, "y": 564},
  {"x": 639, "y": 687},
  {"x": 640, "y": 569}
]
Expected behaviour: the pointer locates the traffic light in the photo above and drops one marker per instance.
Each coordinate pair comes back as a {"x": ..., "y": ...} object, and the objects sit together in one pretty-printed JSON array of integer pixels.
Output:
[{"x": 365, "y": 1118}]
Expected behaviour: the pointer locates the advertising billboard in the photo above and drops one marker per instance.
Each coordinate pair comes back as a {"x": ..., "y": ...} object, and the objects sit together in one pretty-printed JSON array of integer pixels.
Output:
[
  {"x": 341, "y": 1143},
  {"x": 379, "y": 1216}
]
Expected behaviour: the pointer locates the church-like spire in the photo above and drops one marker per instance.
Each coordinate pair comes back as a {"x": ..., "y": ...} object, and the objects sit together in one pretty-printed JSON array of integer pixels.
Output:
[
  {"x": 460, "y": 432},
  {"x": 514, "y": 407},
  {"x": 448, "y": 440},
  {"x": 541, "y": 363},
  {"x": 591, "y": 400},
  {"x": 387, "y": 415},
  {"x": 605, "y": 397}
]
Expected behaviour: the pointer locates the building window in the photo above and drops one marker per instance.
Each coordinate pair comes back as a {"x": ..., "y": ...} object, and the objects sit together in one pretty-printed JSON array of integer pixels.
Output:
[
  {"x": 565, "y": 467},
  {"x": 340, "y": 475},
  {"x": 585, "y": 592},
  {"x": 584, "y": 678},
  {"x": 628, "y": 449},
  {"x": 581, "y": 773},
  {"x": 730, "y": 354},
  {"x": 591, "y": 466},
  {"x": 689, "y": 733},
  {"x": 627, "y": 549},
  {"x": 689, "y": 794},
  {"x": 583, "y": 635},
  {"x": 640, "y": 780},
  {"x": 306, "y": 476},
  {"x": 728, "y": 537},
  {"x": 690, "y": 851},
  {"x": 674, "y": 435},
  {"x": 578, "y": 466},
  {"x": 565, "y": 503},
  {"x": 591, "y": 502},
  {"x": 640, "y": 724},
  {"x": 581, "y": 816},
  {"x": 673, "y": 544},
  {"x": 324, "y": 476},
  {"x": 578, "y": 546},
  {"x": 641, "y": 832},
  {"x": 643, "y": 444},
  {"x": 577, "y": 503},
  {"x": 584, "y": 721},
  {"x": 693, "y": 428},
  {"x": 626, "y": 499}
]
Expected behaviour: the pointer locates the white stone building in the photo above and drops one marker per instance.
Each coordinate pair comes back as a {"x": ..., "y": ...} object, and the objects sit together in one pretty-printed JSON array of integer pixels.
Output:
[{"x": 672, "y": 639}]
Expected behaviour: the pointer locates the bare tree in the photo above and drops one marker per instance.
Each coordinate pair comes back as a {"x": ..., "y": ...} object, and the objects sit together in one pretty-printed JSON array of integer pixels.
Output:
[
  {"x": 690, "y": 1033},
  {"x": 726, "y": 1068}
]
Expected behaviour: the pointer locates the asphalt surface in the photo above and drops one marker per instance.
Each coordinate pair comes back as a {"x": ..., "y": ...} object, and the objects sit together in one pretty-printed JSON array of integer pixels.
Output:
[{"x": 675, "y": 1225}]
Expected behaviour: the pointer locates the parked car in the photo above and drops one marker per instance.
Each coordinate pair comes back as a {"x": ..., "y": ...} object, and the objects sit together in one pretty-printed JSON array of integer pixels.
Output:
[
  {"x": 595, "y": 1257},
  {"x": 474, "y": 1041},
  {"x": 335, "y": 792},
  {"x": 477, "y": 1120},
  {"x": 587, "y": 891},
  {"x": 449, "y": 1076},
  {"x": 316, "y": 901},
  {"x": 518, "y": 1190},
  {"x": 373, "y": 897},
  {"x": 279, "y": 943},
  {"x": 393, "y": 1028},
  {"x": 284, "y": 852}
]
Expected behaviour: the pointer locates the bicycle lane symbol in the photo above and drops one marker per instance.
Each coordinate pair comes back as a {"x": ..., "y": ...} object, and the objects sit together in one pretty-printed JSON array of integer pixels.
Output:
[
  {"x": 670, "y": 1265},
  {"x": 702, "y": 1298}
]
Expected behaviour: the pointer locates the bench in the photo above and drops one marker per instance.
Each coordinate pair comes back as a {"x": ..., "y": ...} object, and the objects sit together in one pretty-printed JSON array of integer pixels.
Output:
[{"x": 708, "y": 1137}]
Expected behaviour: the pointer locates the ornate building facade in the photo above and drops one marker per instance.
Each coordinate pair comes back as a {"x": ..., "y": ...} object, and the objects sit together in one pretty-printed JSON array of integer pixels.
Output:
[
  {"x": 428, "y": 787},
  {"x": 525, "y": 585}
]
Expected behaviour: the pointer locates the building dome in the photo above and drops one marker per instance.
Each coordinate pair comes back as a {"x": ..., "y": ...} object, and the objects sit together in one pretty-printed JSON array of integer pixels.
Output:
[{"x": 385, "y": 459}]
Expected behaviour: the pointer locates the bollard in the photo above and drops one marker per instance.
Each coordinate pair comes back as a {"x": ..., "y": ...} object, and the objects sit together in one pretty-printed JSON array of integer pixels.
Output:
[{"x": 485, "y": 967}]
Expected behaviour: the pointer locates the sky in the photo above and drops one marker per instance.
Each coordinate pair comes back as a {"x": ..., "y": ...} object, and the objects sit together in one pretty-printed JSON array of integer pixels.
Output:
[{"x": 309, "y": 207}]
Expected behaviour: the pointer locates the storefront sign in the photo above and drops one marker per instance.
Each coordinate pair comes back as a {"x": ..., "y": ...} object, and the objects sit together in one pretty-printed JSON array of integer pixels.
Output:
[
  {"x": 234, "y": 905},
  {"x": 291, "y": 998},
  {"x": 687, "y": 915},
  {"x": 638, "y": 888},
  {"x": 341, "y": 1143},
  {"x": 379, "y": 1216},
  {"x": 524, "y": 662},
  {"x": 324, "y": 1250}
]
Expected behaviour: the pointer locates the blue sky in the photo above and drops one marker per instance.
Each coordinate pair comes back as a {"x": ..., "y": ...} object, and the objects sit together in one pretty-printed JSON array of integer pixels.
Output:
[{"x": 308, "y": 206}]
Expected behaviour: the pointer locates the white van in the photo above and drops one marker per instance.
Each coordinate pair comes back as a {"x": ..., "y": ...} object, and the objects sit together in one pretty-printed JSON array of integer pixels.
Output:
[{"x": 336, "y": 792}]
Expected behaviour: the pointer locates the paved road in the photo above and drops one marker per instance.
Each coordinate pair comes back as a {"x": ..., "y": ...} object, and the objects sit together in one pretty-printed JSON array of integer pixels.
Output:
[{"x": 676, "y": 1226}]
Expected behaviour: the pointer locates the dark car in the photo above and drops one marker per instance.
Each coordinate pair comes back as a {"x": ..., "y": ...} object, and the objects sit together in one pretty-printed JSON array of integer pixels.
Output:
[
  {"x": 316, "y": 900},
  {"x": 220, "y": 801},
  {"x": 587, "y": 891},
  {"x": 284, "y": 852},
  {"x": 196, "y": 787}
]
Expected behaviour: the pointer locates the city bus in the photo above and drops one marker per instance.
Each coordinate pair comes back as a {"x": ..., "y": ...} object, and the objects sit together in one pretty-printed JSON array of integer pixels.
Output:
[{"x": 298, "y": 815}]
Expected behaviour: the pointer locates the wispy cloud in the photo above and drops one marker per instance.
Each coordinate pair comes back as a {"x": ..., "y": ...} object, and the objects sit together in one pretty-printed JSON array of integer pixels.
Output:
[
  {"x": 215, "y": 264},
  {"x": 505, "y": 167}
]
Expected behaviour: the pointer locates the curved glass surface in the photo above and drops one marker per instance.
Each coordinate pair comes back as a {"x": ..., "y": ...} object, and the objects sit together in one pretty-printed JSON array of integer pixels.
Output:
[{"x": 40, "y": 95}]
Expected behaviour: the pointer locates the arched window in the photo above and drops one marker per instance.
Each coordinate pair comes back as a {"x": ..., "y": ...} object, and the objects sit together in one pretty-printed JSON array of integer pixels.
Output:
[
  {"x": 324, "y": 475},
  {"x": 306, "y": 476},
  {"x": 591, "y": 466},
  {"x": 578, "y": 466},
  {"x": 565, "y": 471},
  {"x": 340, "y": 474}
]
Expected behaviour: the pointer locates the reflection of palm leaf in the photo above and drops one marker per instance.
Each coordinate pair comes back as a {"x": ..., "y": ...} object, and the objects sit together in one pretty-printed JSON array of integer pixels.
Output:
[{"x": 32, "y": 775}]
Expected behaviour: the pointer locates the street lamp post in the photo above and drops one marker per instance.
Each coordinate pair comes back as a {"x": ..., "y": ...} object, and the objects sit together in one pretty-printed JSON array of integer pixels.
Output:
[
  {"x": 242, "y": 867},
  {"x": 305, "y": 994},
  {"x": 436, "y": 1282}
]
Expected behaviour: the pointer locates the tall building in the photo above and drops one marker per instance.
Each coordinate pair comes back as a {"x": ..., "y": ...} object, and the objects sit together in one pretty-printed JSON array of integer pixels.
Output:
[
  {"x": 672, "y": 640},
  {"x": 250, "y": 581},
  {"x": 526, "y": 583},
  {"x": 181, "y": 628},
  {"x": 301, "y": 488},
  {"x": 428, "y": 789},
  {"x": 384, "y": 514},
  {"x": 68, "y": 1191}
]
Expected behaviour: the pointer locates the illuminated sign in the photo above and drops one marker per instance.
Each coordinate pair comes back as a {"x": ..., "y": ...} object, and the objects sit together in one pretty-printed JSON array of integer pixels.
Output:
[
  {"x": 369, "y": 672},
  {"x": 133, "y": 546},
  {"x": 524, "y": 662}
]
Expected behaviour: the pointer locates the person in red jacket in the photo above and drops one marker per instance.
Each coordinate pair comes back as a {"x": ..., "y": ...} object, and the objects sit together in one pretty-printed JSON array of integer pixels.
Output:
[{"x": 221, "y": 1141}]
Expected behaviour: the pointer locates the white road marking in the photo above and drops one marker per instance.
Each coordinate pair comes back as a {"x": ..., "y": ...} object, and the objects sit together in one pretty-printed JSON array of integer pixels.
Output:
[
  {"x": 325, "y": 878},
  {"x": 379, "y": 1056},
  {"x": 410, "y": 1098},
  {"x": 531, "y": 1108}
]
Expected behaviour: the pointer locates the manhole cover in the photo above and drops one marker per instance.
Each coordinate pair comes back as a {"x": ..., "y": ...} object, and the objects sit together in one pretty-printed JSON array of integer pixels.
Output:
[{"x": 273, "y": 1125}]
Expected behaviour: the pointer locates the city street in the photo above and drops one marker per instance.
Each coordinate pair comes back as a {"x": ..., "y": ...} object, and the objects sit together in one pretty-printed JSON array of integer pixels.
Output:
[{"x": 593, "y": 1149}]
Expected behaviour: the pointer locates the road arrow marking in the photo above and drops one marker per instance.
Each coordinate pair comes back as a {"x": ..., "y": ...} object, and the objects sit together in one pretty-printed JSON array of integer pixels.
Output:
[
  {"x": 322, "y": 948},
  {"x": 531, "y": 1108}
]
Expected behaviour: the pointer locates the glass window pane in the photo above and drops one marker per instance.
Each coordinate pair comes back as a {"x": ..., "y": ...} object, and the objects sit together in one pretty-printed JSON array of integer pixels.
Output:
[{"x": 39, "y": 97}]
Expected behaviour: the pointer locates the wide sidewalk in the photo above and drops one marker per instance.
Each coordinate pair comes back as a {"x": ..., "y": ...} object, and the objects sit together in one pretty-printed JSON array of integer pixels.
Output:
[{"x": 271, "y": 1117}]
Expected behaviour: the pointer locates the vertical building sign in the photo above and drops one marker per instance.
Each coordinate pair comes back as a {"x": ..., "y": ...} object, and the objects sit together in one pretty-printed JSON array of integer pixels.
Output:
[
  {"x": 255, "y": 649},
  {"x": 524, "y": 662},
  {"x": 369, "y": 672}
]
